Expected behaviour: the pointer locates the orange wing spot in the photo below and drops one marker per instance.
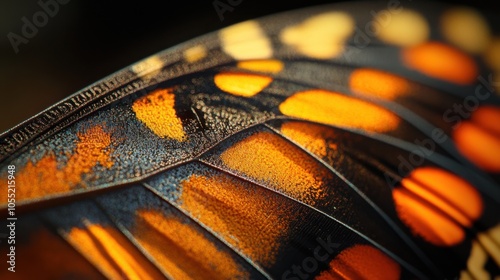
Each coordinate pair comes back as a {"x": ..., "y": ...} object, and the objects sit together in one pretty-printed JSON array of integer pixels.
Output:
[
  {"x": 246, "y": 217},
  {"x": 441, "y": 61},
  {"x": 45, "y": 177},
  {"x": 269, "y": 158},
  {"x": 321, "y": 36},
  {"x": 181, "y": 250},
  {"x": 362, "y": 262},
  {"x": 264, "y": 65},
  {"x": 156, "y": 110},
  {"x": 241, "y": 84},
  {"x": 46, "y": 254},
  {"x": 312, "y": 137},
  {"x": 488, "y": 118},
  {"x": 336, "y": 109},
  {"x": 112, "y": 253},
  {"x": 478, "y": 145},
  {"x": 377, "y": 83},
  {"x": 436, "y": 205}
]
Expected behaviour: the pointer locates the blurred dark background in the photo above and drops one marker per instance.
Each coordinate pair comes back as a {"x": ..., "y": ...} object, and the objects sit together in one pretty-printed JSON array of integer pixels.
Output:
[{"x": 89, "y": 39}]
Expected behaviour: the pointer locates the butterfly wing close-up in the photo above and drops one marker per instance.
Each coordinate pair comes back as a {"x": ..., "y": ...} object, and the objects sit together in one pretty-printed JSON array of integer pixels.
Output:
[{"x": 346, "y": 141}]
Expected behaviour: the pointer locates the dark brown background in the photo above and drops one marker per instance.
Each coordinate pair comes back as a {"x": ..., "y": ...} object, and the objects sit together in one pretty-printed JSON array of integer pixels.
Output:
[{"x": 90, "y": 39}]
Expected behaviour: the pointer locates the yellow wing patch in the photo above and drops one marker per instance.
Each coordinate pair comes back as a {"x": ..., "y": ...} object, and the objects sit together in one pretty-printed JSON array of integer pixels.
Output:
[
  {"x": 195, "y": 53},
  {"x": 269, "y": 158},
  {"x": 336, "y": 109},
  {"x": 45, "y": 177},
  {"x": 272, "y": 66},
  {"x": 466, "y": 28},
  {"x": 246, "y": 40},
  {"x": 431, "y": 202},
  {"x": 243, "y": 216},
  {"x": 112, "y": 253},
  {"x": 241, "y": 84},
  {"x": 156, "y": 110},
  {"x": 148, "y": 68},
  {"x": 322, "y": 36},
  {"x": 403, "y": 28},
  {"x": 181, "y": 250}
]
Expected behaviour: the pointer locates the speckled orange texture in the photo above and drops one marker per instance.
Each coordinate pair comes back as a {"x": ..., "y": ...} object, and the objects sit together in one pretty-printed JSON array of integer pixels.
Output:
[
  {"x": 47, "y": 177},
  {"x": 181, "y": 250},
  {"x": 478, "y": 139},
  {"x": 156, "y": 110},
  {"x": 441, "y": 61},
  {"x": 333, "y": 108},
  {"x": 246, "y": 216},
  {"x": 112, "y": 253},
  {"x": 241, "y": 84},
  {"x": 362, "y": 262},
  {"x": 270, "y": 159},
  {"x": 377, "y": 83},
  {"x": 310, "y": 136},
  {"x": 263, "y": 65},
  {"x": 436, "y": 205}
]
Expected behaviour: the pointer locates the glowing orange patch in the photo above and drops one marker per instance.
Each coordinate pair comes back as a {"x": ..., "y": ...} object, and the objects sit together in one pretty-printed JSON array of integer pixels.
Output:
[
  {"x": 46, "y": 178},
  {"x": 441, "y": 61},
  {"x": 487, "y": 117},
  {"x": 156, "y": 110},
  {"x": 112, "y": 253},
  {"x": 377, "y": 83},
  {"x": 181, "y": 250},
  {"x": 362, "y": 262},
  {"x": 264, "y": 65},
  {"x": 311, "y": 137},
  {"x": 271, "y": 159},
  {"x": 242, "y": 215},
  {"x": 336, "y": 109},
  {"x": 479, "y": 146},
  {"x": 241, "y": 84},
  {"x": 436, "y": 205},
  {"x": 48, "y": 255}
]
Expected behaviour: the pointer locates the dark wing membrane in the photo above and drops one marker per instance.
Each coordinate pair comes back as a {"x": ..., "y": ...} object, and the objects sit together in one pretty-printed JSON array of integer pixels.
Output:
[{"x": 324, "y": 143}]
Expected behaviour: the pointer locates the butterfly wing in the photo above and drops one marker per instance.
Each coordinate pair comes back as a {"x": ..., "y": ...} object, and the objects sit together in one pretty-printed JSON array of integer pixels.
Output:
[{"x": 319, "y": 143}]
